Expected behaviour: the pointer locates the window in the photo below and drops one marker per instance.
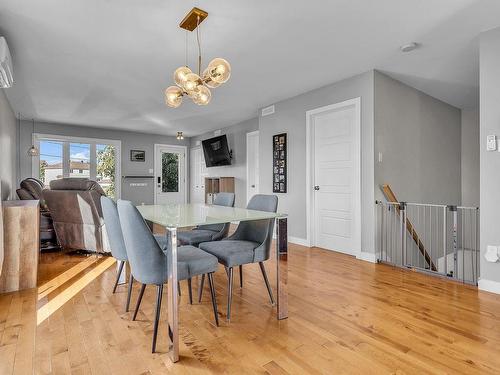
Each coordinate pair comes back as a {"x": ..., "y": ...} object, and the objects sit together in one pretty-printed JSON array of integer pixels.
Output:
[
  {"x": 90, "y": 158},
  {"x": 51, "y": 161},
  {"x": 79, "y": 160},
  {"x": 170, "y": 172},
  {"x": 106, "y": 168}
]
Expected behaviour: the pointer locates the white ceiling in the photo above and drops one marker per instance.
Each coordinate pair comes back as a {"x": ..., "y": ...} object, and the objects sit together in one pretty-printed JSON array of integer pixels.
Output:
[{"x": 106, "y": 62}]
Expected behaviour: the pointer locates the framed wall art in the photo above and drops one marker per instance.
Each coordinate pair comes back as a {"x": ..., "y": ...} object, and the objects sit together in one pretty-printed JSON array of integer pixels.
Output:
[
  {"x": 279, "y": 163},
  {"x": 137, "y": 155}
]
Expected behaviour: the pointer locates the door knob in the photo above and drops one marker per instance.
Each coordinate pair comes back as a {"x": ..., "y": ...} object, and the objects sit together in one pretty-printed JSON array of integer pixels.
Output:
[
  {"x": 316, "y": 187},
  {"x": 253, "y": 186}
]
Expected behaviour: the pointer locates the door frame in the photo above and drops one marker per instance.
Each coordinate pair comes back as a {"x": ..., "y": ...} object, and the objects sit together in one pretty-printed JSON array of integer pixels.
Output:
[
  {"x": 186, "y": 160},
  {"x": 250, "y": 134},
  {"x": 310, "y": 206}
]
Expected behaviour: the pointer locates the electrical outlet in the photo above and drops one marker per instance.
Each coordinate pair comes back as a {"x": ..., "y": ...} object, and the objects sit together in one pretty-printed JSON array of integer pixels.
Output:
[
  {"x": 491, "y": 254},
  {"x": 491, "y": 143}
]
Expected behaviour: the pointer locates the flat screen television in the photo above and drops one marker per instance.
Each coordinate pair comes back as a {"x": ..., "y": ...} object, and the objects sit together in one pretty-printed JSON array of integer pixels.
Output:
[{"x": 216, "y": 151}]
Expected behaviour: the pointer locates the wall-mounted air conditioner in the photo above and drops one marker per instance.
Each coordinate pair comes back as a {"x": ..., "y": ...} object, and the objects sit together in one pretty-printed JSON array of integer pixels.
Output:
[{"x": 6, "y": 73}]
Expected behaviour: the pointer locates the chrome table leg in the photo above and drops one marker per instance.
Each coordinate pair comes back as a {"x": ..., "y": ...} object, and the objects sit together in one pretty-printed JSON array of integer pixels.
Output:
[
  {"x": 282, "y": 268},
  {"x": 173, "y": 297}
]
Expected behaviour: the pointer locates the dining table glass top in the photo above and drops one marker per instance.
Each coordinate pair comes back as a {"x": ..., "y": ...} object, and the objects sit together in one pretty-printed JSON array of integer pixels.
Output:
[{"x": 179, "y": 215}]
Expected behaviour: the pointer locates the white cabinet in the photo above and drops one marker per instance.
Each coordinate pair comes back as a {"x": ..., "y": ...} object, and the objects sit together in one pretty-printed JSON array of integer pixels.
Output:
[{"x": 198, "y": 172}]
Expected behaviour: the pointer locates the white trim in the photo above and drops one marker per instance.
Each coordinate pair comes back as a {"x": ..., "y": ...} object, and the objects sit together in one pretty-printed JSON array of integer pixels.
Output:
[
  {"x": 367, "y": 257},
  {"x": 298, "y": 241},
  {"x": 489, "y": 286},
  {"x": 249, "y": 134},
  {"x": 186, "y": 160},
  {"x": 291, "y": 239},
  {"x": 356, "y": 102},
  {"x": 37, "y": 137}
]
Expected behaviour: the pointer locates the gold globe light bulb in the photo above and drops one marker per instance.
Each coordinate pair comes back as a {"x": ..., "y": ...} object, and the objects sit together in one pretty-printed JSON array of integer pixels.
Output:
[
  {"x": 180, "y": 75},
  {"x": 203, "y": 96},
  {"x": 191, "y": 83},
  {"x": 208, "y": 80},
  {"x": 219, "y": 70},
  {"x": 173, "y": 96}
]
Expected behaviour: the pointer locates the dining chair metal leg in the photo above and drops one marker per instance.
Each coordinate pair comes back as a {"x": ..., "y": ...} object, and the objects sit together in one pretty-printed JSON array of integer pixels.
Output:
[
  {"x": 190, "y": 291},
  {"x": 179, "y": 288},
  {"x": 129, "y": 294},
  {"x": 119, "y": 273},
  {"x": 241, "y": 276},
  {"x": 229, "y": 292},
  {"x": 200, "y": 287},
  {"x": 139, "y": 299},
  {"x": 214, "y": 299},
  {"x": 266, "y": 280},
  {"x": 159, "y": 294}
]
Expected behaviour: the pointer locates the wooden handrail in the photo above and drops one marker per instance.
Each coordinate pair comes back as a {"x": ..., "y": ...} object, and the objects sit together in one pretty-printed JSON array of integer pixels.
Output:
[{"x": 391, "y": 197}]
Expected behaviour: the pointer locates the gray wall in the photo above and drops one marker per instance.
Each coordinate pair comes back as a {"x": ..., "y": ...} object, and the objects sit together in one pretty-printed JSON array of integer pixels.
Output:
[
  {"x": 470, "y": 157},
  {"x": 489, "y": 161},
  {"x": 8, "y": 145},
  {"x": 129, "y": 141},
  {"x": 237, "y": 140},
  {"x": 419, "y": 138},
  {"x": 290, "y": 117}
]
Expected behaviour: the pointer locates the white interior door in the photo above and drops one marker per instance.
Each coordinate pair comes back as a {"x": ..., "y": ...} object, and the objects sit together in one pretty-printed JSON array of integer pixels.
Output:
[
  {"x": 170, "y": 174},
  {"x": 252, "y": 164},
  {"x": 335, "y": 136},
  {"x": 197, "y": 175}
]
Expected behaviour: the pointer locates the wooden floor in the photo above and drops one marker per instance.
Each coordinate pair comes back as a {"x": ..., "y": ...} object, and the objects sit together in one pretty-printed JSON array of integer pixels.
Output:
[{"x": 346, "y": 317}]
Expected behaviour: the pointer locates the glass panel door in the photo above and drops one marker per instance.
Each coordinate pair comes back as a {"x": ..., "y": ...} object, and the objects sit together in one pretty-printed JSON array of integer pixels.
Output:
[
  {"x": 170, "y": 172},
  {"x": 51, "y": 161}
]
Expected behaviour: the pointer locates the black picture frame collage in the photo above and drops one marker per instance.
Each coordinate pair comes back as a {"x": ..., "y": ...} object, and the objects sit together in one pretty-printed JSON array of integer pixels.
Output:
[{"x": 279, "y": 163}]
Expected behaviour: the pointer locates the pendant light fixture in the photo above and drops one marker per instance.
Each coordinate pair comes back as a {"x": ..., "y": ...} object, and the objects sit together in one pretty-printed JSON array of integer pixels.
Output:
[
  {"x": 32, "y": 151},
  {"x": 180, "y": 136},
  {"x": 196, "y": 85}
]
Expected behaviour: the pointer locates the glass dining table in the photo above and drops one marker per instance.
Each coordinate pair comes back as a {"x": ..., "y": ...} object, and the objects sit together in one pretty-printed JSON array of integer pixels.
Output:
[{"x": 175, "y": 216}]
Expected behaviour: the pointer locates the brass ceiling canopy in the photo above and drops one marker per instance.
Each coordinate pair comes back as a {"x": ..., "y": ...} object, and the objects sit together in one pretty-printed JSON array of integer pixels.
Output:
[{"x": 190, "y": 22}]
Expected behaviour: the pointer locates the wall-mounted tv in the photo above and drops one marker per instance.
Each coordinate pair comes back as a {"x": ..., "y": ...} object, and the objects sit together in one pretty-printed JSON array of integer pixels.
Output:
[{"x": 216, "y": 151}]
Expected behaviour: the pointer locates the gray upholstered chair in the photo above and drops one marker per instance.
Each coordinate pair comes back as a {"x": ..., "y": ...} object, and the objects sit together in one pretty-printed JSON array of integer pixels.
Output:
[
  {"x": 148, "y": 260},
  {"x": 250, "y": 243},
  {"x": 206, "y": 233},
  {"x": 212, "y": 232},
  {"x": 116, "y": 242}
]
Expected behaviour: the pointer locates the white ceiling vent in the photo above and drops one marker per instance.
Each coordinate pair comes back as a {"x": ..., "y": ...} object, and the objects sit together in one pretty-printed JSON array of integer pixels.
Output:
[
  {"x": 267, "y": 111},
  {"x": 6, "y": 76}
]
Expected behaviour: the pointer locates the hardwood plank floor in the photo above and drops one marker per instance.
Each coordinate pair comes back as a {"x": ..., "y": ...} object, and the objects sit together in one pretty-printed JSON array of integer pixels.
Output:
[{"x": 345, "y": 317}]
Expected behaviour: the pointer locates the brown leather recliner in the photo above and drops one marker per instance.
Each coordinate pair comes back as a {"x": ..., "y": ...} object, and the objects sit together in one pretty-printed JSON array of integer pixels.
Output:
[
  {"x": 75, "y": 205},
  {"x": 31, "y": 188}
]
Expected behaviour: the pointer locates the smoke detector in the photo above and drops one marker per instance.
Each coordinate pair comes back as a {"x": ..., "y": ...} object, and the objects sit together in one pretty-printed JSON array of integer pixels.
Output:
[{"x": 409, "y": 47}]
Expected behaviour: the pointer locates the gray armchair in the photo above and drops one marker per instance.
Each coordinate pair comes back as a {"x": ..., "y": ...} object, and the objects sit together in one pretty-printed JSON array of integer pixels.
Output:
[
  {"x": 116, "y": 242},
  {"x": 251, "y": 243},
  {"x": 205, "y": 233},
  {"x": 148, "y": 260},
  {"x": 75, "y": 206}
]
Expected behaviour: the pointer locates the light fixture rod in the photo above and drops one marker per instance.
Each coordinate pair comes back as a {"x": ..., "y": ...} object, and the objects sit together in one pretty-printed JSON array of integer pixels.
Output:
[{"x": 199, "y": 45}]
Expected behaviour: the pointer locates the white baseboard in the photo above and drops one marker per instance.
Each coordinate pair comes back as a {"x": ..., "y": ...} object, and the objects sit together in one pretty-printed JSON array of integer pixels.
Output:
[
  {"x": 295, "y": 240},
  {"x": 489, "y": 286},
  {"x": 298, "y": 241},
  {"x": 367, "y": 257}
]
